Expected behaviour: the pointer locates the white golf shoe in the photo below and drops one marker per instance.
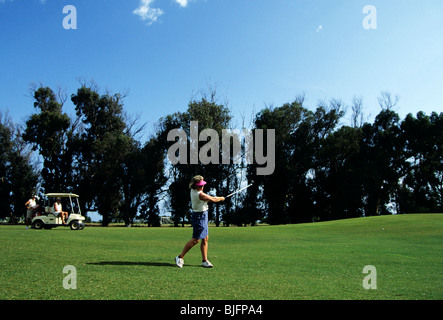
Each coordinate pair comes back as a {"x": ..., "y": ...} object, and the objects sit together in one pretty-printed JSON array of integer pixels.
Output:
[
  {"x": 179, "y": 262},
  {"x": 207, "y": 264}
]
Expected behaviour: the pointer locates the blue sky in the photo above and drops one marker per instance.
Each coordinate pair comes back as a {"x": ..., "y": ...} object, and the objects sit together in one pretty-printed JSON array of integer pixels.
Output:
[{"x": 258, "y": 52}]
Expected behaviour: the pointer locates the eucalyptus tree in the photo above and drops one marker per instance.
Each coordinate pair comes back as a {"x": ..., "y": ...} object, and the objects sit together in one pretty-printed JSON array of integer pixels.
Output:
[
  {"x": 102, "y": 146},
  {"x": 18, "y": 173},
  {"x": 47, "y": 131}
]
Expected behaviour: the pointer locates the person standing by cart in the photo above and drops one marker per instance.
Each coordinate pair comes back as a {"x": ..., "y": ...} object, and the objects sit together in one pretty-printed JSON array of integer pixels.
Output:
[
  {"x": 30, "y": 207},
  {"x": 199, "y": 202}
]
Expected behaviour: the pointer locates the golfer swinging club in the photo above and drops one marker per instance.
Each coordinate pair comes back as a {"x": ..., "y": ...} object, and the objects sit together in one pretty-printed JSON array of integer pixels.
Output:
[{"x": 199, "y": 221}]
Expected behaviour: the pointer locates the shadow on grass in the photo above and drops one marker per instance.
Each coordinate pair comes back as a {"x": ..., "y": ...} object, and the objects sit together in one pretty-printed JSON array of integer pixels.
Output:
[
  {"x": 132, "y": 263},
  {"x": 137, "y": 263}
]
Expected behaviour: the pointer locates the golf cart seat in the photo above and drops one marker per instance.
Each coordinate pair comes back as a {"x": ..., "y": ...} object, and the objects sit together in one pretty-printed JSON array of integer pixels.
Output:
[{"x": 49, "y": 210}]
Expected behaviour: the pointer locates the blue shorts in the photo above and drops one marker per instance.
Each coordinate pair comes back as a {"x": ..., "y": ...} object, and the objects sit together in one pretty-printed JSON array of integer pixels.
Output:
[{"x": 200, "y": 225}]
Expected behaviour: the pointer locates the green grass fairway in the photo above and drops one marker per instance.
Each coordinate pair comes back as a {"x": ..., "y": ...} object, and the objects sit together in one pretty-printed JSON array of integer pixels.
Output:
[{"x": 308, "y": 261}]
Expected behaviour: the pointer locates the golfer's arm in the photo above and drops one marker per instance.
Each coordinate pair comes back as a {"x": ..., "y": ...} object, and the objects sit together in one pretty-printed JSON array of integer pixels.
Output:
[{"x": 208, "y": 198}]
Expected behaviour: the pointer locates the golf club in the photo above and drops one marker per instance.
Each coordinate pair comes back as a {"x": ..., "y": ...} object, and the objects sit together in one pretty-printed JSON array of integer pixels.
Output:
[{"x": 239, "y": 191}]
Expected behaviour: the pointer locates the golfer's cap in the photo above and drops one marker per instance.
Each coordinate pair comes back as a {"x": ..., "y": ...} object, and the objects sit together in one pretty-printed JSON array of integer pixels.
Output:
[{"x": 200, "y": 183}]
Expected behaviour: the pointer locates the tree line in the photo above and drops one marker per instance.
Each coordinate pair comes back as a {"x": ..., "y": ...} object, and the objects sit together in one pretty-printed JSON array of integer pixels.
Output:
[{"x": 323, "y": 170}]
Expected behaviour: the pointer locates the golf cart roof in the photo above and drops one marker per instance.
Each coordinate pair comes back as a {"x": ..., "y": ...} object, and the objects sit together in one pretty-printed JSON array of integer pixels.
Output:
[{"x": 61, "y": 195}]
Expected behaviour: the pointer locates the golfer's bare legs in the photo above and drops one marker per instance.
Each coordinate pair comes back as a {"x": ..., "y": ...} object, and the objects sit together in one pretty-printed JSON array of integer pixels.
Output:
[
  {"x": 188, "y": 246},
  {"x": 204, "y": 248}
]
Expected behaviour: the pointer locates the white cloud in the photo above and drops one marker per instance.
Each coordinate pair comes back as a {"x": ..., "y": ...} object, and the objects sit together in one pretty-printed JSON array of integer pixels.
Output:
[
  {"x": 146, "y": 12},
  {"x": 319, "y": 28},
  {"x": 182, "y": 3}
]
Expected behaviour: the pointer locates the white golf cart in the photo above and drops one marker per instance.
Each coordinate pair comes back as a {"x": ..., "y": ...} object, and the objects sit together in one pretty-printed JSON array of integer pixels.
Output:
[{"x": 47, "y": 219}]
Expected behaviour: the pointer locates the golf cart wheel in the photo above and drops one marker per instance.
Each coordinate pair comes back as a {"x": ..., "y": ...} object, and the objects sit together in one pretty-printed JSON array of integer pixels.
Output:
[
  {"x": 38, "y": 224},
  {"x": 75, "y": 225}
]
